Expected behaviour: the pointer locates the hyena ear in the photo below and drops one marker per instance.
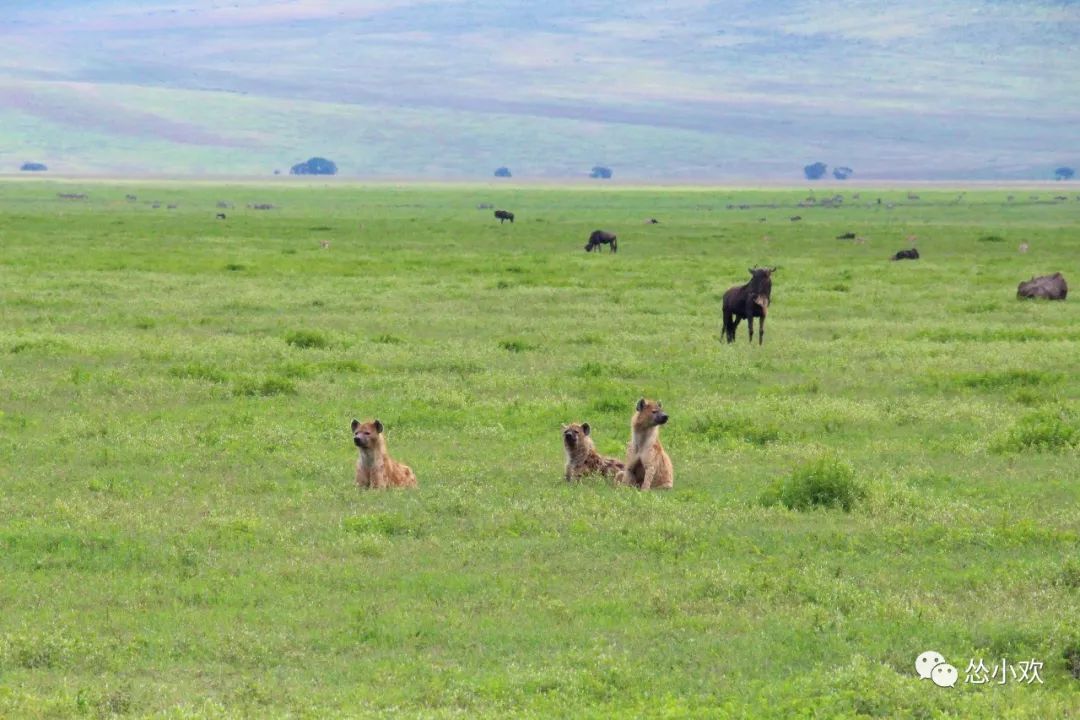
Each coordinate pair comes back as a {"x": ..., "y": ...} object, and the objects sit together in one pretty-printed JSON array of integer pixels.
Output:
[
  {"x": 585, "y": 428},
  {"x": 641, "y": 404},
  {"x": 355, "y": 424},
  {"x": 378, "y": 426}
]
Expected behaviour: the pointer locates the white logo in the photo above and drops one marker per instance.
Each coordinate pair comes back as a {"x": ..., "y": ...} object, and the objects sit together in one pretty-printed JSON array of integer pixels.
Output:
[{"x": 932, "y": 666}]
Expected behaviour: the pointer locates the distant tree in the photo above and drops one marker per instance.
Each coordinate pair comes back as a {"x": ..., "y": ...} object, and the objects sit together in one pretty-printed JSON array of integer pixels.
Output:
[
  {"x": 1064, "y": 173},
  {"x": 314, "y": 166},
  {"x": 33, "y": 167},
  {"x": 842, "y": 173},
  {"x": 815, "y": 171},
  {"x": 599, "y": 171},
  {"x": 502, "y": 172}
]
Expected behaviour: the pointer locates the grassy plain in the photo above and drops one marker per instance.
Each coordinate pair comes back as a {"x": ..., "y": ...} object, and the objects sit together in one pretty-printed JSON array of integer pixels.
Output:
[{"x": 180, "y": 536}]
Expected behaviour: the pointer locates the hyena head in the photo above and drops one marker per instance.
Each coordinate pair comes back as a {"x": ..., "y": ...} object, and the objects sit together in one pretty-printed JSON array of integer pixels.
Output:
[
  {"x": 367, "y": 436},
  {"x": 649, "y": 414},
  {"x": 576, "y": 436}
]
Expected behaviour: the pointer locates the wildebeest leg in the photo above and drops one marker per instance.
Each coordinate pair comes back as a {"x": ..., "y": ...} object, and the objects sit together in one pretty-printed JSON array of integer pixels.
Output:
[
  {"x": 750, "y": 324},
  {"x": 761, "y": 332},
  {"x": 614, "y": 246},
  {"x": 731, "y": 324}
]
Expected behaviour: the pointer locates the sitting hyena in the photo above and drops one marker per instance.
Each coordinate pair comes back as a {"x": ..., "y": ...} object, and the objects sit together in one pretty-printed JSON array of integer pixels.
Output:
[
  {"x": 581, "y": 456},
  {"x": 375, "y": 468},
  {"x": 648, "y": 467}
]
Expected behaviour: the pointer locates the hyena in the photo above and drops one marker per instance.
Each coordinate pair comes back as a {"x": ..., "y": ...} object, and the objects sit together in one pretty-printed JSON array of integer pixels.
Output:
[
  {"x": 648, "y": 467},
  {"x": 581, "y": 456},
  {"x": 375, "y": 468}
]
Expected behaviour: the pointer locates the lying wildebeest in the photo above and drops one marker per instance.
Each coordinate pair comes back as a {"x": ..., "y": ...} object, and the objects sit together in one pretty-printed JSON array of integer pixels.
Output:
[
  {"x": 846, "y": 236},
  {"x": 503, "y": 215},
  {"x": 602, "y": 237},
  {"x": 748, "y": 301},
  {"x": 911, "y": 254},
  {"x": 1051, "y": 287}
]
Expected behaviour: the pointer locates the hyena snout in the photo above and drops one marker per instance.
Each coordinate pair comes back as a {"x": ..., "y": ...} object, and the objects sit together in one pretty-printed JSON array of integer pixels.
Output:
[
  {"x": 362, "y": 440},
  {"x": 661, "y": 418},
  {"x": 570, "y": 438}
]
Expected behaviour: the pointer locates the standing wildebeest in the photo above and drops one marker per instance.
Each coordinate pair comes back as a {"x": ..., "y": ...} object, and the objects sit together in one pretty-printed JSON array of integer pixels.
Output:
[
  {"x": 602, "y": 237},
  {"x": 503, "y": 215},
  {"x": 1051, "y": 287},
  {"x": 911, "y": 254},
  {"x": 748, "y": 301}
]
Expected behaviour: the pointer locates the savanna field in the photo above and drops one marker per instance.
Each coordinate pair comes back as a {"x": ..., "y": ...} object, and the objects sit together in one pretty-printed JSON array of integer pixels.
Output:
[{"x": 895, "y": 470}]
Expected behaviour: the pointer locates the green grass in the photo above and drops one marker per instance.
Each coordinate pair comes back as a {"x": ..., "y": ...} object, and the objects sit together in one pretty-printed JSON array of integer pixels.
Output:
[{"x": 180, "y": 535}]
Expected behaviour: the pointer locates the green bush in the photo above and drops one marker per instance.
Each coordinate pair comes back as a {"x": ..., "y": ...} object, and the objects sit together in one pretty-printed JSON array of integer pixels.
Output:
[
  {"x": 827, "y": 482},
  {"x": 307, "y": 339},
  {"x": 1054, "y": 429}
]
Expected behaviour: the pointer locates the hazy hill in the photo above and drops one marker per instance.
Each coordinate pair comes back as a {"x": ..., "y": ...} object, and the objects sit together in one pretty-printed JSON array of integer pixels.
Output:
[{"x": 415, "y": 88}]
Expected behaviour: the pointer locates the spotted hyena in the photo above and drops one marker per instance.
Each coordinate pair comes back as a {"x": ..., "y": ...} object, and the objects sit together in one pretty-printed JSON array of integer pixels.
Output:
[
  {"x": 375, "y": 468},
  {"x": 648, "y": 467},
  {"x": 581, "y": 456}
]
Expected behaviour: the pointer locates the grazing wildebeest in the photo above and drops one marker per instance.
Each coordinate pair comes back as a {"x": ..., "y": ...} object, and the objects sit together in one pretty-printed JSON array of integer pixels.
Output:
[
  {"x": 221, "y": 216},
  {"x": 652, "y": 221},
  {"x": 796, "y": 218},
  {"x": 1051, "y": 287},
  {"x": 503, "y": 215},
  {"x": 602, "y": 237},
  {"x": 748, "y": 301},
  {"x": 911, "y": 254},
  {"x": 846, "y": 236}
]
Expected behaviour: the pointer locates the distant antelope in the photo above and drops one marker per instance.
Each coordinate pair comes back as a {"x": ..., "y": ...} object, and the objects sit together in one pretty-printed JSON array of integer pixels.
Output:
[
  {"x": 1023, "y": 247},
  {"x": 324, "y": 244}
]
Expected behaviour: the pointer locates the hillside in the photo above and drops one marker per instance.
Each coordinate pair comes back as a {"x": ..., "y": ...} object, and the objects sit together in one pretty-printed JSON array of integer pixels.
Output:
[{"x": 401, "y": 88}]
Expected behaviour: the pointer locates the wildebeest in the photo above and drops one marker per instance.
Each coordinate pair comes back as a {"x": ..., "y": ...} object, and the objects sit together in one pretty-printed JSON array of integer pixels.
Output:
[
  {"x": 221, "y": 216},
  {"x": 652, "y": 221},
  {"x": 1051, "y": 287},
  {"x": 748, "y": 301},
  {"x": 602, "y": 237},
  {"x": 796, "y": 218},
  {"x": 846, "y": 236},
  {"x": 504, "y": 215},
  {"x": 911, "y": 254}
]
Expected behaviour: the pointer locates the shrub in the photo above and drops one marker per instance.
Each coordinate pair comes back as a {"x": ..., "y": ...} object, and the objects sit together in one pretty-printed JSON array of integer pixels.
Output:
[
  {"x": 827, "y": 482},
  {"x": 1055, "y": 429},
  {"x": 265, "y": 387},
  {"x": 386, "y": 524},
  {"x": 197, "y": 371},
  {"x": 307, "y": 339},
  {"x": 516, "y": 345}
]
